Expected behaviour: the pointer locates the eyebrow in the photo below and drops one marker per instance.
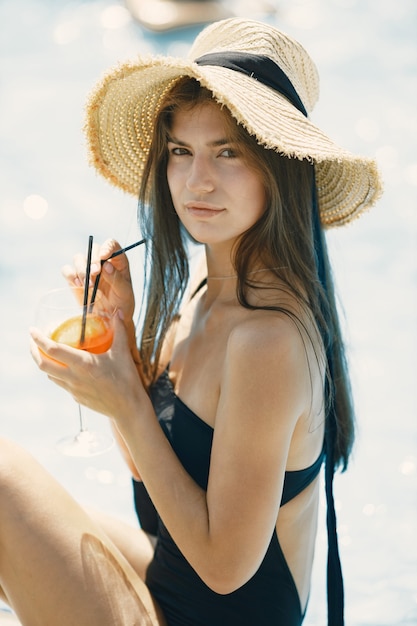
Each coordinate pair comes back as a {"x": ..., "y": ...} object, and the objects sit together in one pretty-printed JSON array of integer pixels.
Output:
[{"x": 214, "y": 144}]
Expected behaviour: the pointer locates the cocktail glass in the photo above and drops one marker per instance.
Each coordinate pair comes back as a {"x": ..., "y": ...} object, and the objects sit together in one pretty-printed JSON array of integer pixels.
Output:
[{"x": 62, "y": 316}]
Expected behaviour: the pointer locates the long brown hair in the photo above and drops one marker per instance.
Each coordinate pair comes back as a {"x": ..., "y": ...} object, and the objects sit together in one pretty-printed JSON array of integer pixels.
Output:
[{"x": 283, "y": 238}]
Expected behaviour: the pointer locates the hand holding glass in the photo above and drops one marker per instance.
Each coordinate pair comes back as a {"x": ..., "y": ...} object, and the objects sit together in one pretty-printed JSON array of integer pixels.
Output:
[{"x": 63, "y": 317}]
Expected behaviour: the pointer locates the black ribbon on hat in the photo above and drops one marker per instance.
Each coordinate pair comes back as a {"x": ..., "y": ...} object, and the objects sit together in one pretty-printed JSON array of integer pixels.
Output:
[
  {"x": 258, "y": 67},
  {"x": 263, "y": 69},
  {"x": 335, "y": 591}
]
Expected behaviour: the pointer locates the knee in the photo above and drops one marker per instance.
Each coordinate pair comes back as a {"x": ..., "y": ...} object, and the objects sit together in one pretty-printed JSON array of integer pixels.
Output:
[{"x": 13, "y": 461}]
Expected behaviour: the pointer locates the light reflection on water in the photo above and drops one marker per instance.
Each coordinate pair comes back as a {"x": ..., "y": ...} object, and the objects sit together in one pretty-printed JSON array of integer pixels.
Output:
[{"x": 51, "y": 54}]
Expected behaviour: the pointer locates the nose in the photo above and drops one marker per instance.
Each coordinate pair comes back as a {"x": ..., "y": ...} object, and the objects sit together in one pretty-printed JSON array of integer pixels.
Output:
[{"x": 200, "y": 176}]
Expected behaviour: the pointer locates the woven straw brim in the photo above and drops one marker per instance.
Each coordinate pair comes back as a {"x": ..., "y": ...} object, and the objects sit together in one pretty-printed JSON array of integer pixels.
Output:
[{"x": 122, "y": 109}]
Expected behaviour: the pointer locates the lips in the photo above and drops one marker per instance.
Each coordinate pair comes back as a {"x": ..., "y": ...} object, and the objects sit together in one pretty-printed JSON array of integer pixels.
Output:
[{"x": 201, "y": 209}]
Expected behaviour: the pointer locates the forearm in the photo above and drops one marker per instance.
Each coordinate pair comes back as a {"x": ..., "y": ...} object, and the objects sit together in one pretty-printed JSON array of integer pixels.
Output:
[
  {"x": 180, "y": 502},
  {"x": 124, "y": 450}
]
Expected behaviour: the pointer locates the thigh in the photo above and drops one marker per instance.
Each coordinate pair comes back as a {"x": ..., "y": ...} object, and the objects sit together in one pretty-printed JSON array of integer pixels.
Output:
[
  {"x": 56, "y": 565},
  {"x": 135, "y": 545}
]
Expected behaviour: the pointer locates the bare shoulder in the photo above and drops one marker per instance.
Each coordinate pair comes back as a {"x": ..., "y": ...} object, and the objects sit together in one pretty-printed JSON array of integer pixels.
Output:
[
  {"x": 266, "y": 338},
  {"x": 274, "y": 381},
  {"x": 273, "y": 368}
]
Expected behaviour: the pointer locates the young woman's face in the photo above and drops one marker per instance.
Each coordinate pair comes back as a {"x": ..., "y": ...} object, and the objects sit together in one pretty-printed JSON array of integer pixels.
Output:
[{"x": 216, "y": 194}]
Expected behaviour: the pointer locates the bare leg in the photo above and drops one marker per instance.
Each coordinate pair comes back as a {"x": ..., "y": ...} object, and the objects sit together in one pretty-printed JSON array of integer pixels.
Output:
[
  {"x": 56, "y": 565},
  {"x": 135, "y": 545}
]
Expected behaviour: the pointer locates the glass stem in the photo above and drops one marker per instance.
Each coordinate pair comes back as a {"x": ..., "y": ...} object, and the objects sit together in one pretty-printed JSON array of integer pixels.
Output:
[{"x": 82, "y": 425}]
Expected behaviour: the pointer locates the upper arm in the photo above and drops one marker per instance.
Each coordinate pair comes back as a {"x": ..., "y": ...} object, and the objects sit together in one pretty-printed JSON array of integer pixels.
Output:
[{"x": 263, "y": 394}]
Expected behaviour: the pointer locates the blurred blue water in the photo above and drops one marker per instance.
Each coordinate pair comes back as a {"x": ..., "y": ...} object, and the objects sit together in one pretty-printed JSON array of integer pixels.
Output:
[{"x": 51, "y": 53}]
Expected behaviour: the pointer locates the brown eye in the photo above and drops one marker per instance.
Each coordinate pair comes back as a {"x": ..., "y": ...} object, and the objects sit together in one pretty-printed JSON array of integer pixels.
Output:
[
  {"x": 228, "y": 153},
  {"x": 179, "y": 151}
]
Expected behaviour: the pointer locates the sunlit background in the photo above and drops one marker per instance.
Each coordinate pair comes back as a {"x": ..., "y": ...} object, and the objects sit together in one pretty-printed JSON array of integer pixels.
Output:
[{"x": 52, "y": 52}]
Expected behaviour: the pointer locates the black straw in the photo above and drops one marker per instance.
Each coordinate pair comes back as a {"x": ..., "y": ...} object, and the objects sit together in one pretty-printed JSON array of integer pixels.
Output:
[
  {"x": 123, "y": 250},
  {"x": 117, "y": 253},
  {"x": 86, "y": 285}
]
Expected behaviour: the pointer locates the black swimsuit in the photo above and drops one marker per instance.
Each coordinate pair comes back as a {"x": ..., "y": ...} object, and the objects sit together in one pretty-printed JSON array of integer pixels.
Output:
[{"x": 270, "y": 597}]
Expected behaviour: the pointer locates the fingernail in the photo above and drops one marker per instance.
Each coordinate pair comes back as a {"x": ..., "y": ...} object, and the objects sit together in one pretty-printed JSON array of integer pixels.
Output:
[{"x": 108, "y": 268}]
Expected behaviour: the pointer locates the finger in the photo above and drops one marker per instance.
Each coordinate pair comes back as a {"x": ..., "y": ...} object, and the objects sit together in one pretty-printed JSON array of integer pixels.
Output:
[
  {"x": 70, "y": 275},
  {"x": 108, "y": 247},
  {"x": 42, "y": 349},
  {"x": 50, "y": 356},
  {"x": 120, "y": 262},
  {"x": 120, "y": 285},
  {"x": 63, "y": 384},
  {"x": 100, "y": 253},
  {"x": 80, "y": 263},
  {"x": 56, "y": 372},
  {"x": 79, "y": 266},
  {"x": 34, "y": 351}
]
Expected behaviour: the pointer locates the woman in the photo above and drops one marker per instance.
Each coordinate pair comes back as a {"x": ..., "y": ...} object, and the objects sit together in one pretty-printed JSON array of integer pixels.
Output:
[{"x": 239, "y": 388}]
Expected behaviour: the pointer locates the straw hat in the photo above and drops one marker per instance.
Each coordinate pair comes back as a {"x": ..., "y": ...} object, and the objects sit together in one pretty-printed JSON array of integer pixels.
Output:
[{"x": 122, "y": 109}]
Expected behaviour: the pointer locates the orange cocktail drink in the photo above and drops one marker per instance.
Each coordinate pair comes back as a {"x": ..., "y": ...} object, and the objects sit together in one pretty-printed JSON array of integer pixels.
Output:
[
  {"x": 98, "y": 335},
  {"x": 64, "y": 318}
]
